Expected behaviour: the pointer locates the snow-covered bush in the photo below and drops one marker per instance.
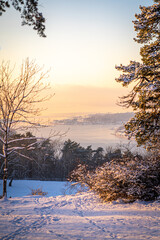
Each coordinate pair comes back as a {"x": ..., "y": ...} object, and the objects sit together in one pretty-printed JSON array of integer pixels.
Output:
[
  {"x": 129, "y": 179},
  {"x": 81, "y": 175}
]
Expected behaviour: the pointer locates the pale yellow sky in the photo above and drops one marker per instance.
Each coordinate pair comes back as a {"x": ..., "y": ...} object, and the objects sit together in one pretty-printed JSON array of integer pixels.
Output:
[
  {"x": 85, "y": 40},
  {"x": 80, "y": 100}
]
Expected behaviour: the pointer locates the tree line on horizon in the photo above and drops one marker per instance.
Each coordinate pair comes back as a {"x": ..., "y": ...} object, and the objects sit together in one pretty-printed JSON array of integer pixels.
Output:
[{"x": 97, "y": 118}]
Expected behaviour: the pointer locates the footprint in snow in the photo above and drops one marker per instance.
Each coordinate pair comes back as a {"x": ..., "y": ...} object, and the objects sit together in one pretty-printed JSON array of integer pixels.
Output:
[
  {"x": 17, "y": 220},
  {"x": 55, "y": 219}
]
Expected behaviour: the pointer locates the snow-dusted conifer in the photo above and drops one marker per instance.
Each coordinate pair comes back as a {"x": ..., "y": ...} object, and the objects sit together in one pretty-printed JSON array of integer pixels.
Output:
[
  {"x": 29, "y": 13},
  {"x": 145, "y": 95}
]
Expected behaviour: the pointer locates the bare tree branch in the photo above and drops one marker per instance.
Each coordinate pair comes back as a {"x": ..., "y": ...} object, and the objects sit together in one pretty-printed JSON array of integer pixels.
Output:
[{"x": 18, "y": 99}]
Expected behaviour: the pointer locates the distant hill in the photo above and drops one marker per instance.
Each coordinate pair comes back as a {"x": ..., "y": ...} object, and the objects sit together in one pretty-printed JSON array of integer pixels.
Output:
[{"x": 99, "y": 118}]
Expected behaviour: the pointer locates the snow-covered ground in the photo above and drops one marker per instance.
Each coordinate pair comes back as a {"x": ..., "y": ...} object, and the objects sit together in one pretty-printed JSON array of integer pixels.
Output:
[
  {"x": 73, "y": 217},
  {"x": 21, "y": 188}
]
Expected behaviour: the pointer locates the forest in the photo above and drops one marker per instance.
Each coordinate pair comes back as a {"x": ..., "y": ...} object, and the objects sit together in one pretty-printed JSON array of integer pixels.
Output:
[
  {"x": 111, "y": 173},
  {"x": 52, "y": 160}
]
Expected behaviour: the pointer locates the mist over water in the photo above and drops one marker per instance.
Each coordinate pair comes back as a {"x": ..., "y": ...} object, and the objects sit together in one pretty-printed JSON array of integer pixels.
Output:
[{"x": 94, "y": 135}]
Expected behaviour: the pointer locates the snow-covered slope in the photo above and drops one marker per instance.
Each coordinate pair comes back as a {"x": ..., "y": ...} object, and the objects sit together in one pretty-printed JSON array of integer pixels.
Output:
[
  {"x": 75, "y": 217},
  {"x": 22, "y": 188}
]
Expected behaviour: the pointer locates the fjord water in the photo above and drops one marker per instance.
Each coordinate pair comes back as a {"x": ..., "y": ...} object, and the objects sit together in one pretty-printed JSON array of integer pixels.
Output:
[{"x": 94, "y": 135}]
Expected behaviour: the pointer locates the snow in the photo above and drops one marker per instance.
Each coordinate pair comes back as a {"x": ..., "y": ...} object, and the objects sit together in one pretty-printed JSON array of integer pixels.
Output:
[
  {"x": 22, "y": 188},
  {"x": 78, "y": 217}
]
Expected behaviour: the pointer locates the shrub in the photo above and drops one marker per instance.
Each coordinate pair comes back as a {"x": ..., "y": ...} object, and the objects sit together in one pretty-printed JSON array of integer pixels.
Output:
[
  {"x": 130, "y": 179},
  {"x": 38, "y": 191}
]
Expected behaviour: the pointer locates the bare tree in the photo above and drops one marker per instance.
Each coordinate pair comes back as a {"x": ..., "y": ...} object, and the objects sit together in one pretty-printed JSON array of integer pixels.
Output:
[{"x": 19, "y": 98}]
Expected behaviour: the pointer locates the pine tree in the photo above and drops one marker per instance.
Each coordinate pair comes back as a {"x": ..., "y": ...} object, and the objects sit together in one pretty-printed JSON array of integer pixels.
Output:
[
  {"x": 145, "y": 95},
  {"x": 29, "y": 11}
]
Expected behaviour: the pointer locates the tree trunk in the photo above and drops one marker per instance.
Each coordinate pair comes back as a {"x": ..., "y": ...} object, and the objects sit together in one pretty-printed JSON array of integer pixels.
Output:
[
  {"x": 10, "y": 182},
  {"x": 5, "y": 183},
  {"x": 5, "y": 149}
]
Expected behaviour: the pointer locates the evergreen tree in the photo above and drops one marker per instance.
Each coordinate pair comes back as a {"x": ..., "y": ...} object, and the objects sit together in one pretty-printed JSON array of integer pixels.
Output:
[
  {"x": 29, "y": 13},
  {"x": 72, "y": 154},
  {"x": 145, "y": 95}
]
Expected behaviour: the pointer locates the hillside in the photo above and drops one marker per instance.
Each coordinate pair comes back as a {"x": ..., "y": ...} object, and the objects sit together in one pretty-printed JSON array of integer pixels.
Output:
[
  {"x": 80, "y": 216},
  {"x": 101, "y": 119}
]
